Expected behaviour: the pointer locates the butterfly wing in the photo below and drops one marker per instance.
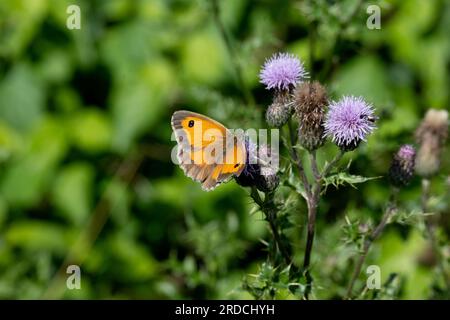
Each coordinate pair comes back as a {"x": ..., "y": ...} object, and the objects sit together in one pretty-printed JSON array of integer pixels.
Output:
[{"x": 206, "y": 153}]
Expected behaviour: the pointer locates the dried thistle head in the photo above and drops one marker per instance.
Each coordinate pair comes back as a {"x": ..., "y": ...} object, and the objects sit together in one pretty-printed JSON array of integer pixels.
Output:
[
  {"x": 310, "y": 103},
  {"x": 431, "y": 136}
]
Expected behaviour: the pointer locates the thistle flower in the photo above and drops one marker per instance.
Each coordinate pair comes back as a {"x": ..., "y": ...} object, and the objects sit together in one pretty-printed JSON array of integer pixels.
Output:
[
  {"x": 279, "y": 112},
  {"x": 431, "y": 136},
  {"x": 268, "y": 179},
  {"x": 349, "y": 121},
  {"x": 252, "y": 169},
  {"x": 282, "y": 71},
  {"x": 310, "y": 101},
  {"x": 402, "y": 167},
  {"x": 262, "y": 176}
]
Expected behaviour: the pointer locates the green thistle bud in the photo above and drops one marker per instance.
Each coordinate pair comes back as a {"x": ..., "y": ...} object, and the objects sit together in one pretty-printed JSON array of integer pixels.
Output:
[
  {"x": 279, "y": 112},
  {"x": 310, "y": 101}
]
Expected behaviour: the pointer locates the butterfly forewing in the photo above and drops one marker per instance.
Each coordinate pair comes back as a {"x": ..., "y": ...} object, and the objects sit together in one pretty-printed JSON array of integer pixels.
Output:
[{"x": 207, "y": 152}]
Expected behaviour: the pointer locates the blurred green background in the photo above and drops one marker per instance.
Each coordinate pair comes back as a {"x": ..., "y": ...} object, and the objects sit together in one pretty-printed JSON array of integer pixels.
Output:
[{"x": 85, "y": 140}]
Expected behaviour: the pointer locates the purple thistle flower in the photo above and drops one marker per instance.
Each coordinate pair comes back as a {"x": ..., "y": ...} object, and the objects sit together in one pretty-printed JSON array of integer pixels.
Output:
[
  {"x": 281, "y": 71},
  {"x": 407, "y": 153},
  {"x": 349, "y": 121},
  {"x": 252, "y": 168},
  {"x": 255, "y": 173}
]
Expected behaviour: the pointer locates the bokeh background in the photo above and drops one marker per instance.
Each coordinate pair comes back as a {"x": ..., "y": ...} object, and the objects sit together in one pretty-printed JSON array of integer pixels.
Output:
[{"x": 85, "y": 141}]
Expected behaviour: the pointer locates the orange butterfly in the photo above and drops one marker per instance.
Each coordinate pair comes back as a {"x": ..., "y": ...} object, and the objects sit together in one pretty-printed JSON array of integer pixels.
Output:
[{"x": 207, "y": 151}]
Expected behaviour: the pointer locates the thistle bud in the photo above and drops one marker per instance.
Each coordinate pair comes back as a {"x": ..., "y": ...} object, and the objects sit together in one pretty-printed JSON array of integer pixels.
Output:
[
  {"x": 279, "y": 111},
  {"x": 431, "y": 136},
  {"x": 268, "y": 179},
  {"x": 257, "y": 172},
  {"x": 252, "y": 169},
  {"x": 310, "y": 101},
  {"x": 402, "y": 167},
  {"x": 249, "y": 176}
]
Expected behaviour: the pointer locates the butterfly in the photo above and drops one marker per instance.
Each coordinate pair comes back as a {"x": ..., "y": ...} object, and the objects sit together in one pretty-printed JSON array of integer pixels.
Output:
[{"x": 208, "y": 152}]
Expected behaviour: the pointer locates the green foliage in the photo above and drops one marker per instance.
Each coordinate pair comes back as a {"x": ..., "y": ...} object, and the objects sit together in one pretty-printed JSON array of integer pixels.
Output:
[{"x": 344, "y": 178}]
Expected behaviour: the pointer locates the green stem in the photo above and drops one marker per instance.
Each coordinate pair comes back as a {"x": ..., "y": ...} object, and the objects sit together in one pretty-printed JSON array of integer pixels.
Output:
[
  {"x": 430, "y": 230},
  {"x": 391, "y": 209},
  {"x": 313, "y": 202},
  {"x": 268, "y": 208},
  {"x": 298, "y": 161},
  {"x": 314, "y": 166}
]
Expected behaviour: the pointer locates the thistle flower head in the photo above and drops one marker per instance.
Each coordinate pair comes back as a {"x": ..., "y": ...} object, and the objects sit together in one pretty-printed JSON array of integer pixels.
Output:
[
  {"x": 282, "y": 71},
  {"x": 252, "y": 169},
  {"x": 268, "y": 180},
  {"x": 402, "y": 167},
  {"x": 431, "y": 136},
  {"x": 256, "y": 172},
  {"x": 349, "y": 121}
]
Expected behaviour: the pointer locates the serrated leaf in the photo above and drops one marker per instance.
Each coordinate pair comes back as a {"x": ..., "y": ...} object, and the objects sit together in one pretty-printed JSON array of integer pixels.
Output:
[{"x": 344, "y": 178}]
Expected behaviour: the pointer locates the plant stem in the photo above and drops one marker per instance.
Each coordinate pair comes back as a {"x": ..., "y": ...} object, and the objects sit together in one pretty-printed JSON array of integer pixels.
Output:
[
  {"x": 248, "y": 97},
  {"x": 267, "y": 206},
  {"x": 298, "y": 161},
  {"x": 312, "y": 211},
  {"x": 390, "y": 210},
  {"x": 314, "y": 167},
  {"x": 430, "y": 232},
  {"x": 313, "y": 202}
]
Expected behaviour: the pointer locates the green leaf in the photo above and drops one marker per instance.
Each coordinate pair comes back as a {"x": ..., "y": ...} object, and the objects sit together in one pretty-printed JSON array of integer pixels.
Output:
[
  {"x": 26, "y": 179},
  {"x": 364, "y": 76},
  {"x": 344, "y": 178},
  {"x": 91, "y": 130},
  {"x": 293, "y": 182},
  {"x": 139, "y": 104},
  {"x": 9, "y": 141},
  {"x": 72, "y": 192},
  {"x": 3, "y": 211},
  {"x": 36, "y": 235},
  {"x": 133, "y": 257},
  {"x": 21, "y": 98},
  {"x": 119, "y": 199},
  {"x": 203, "y": 58}
]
